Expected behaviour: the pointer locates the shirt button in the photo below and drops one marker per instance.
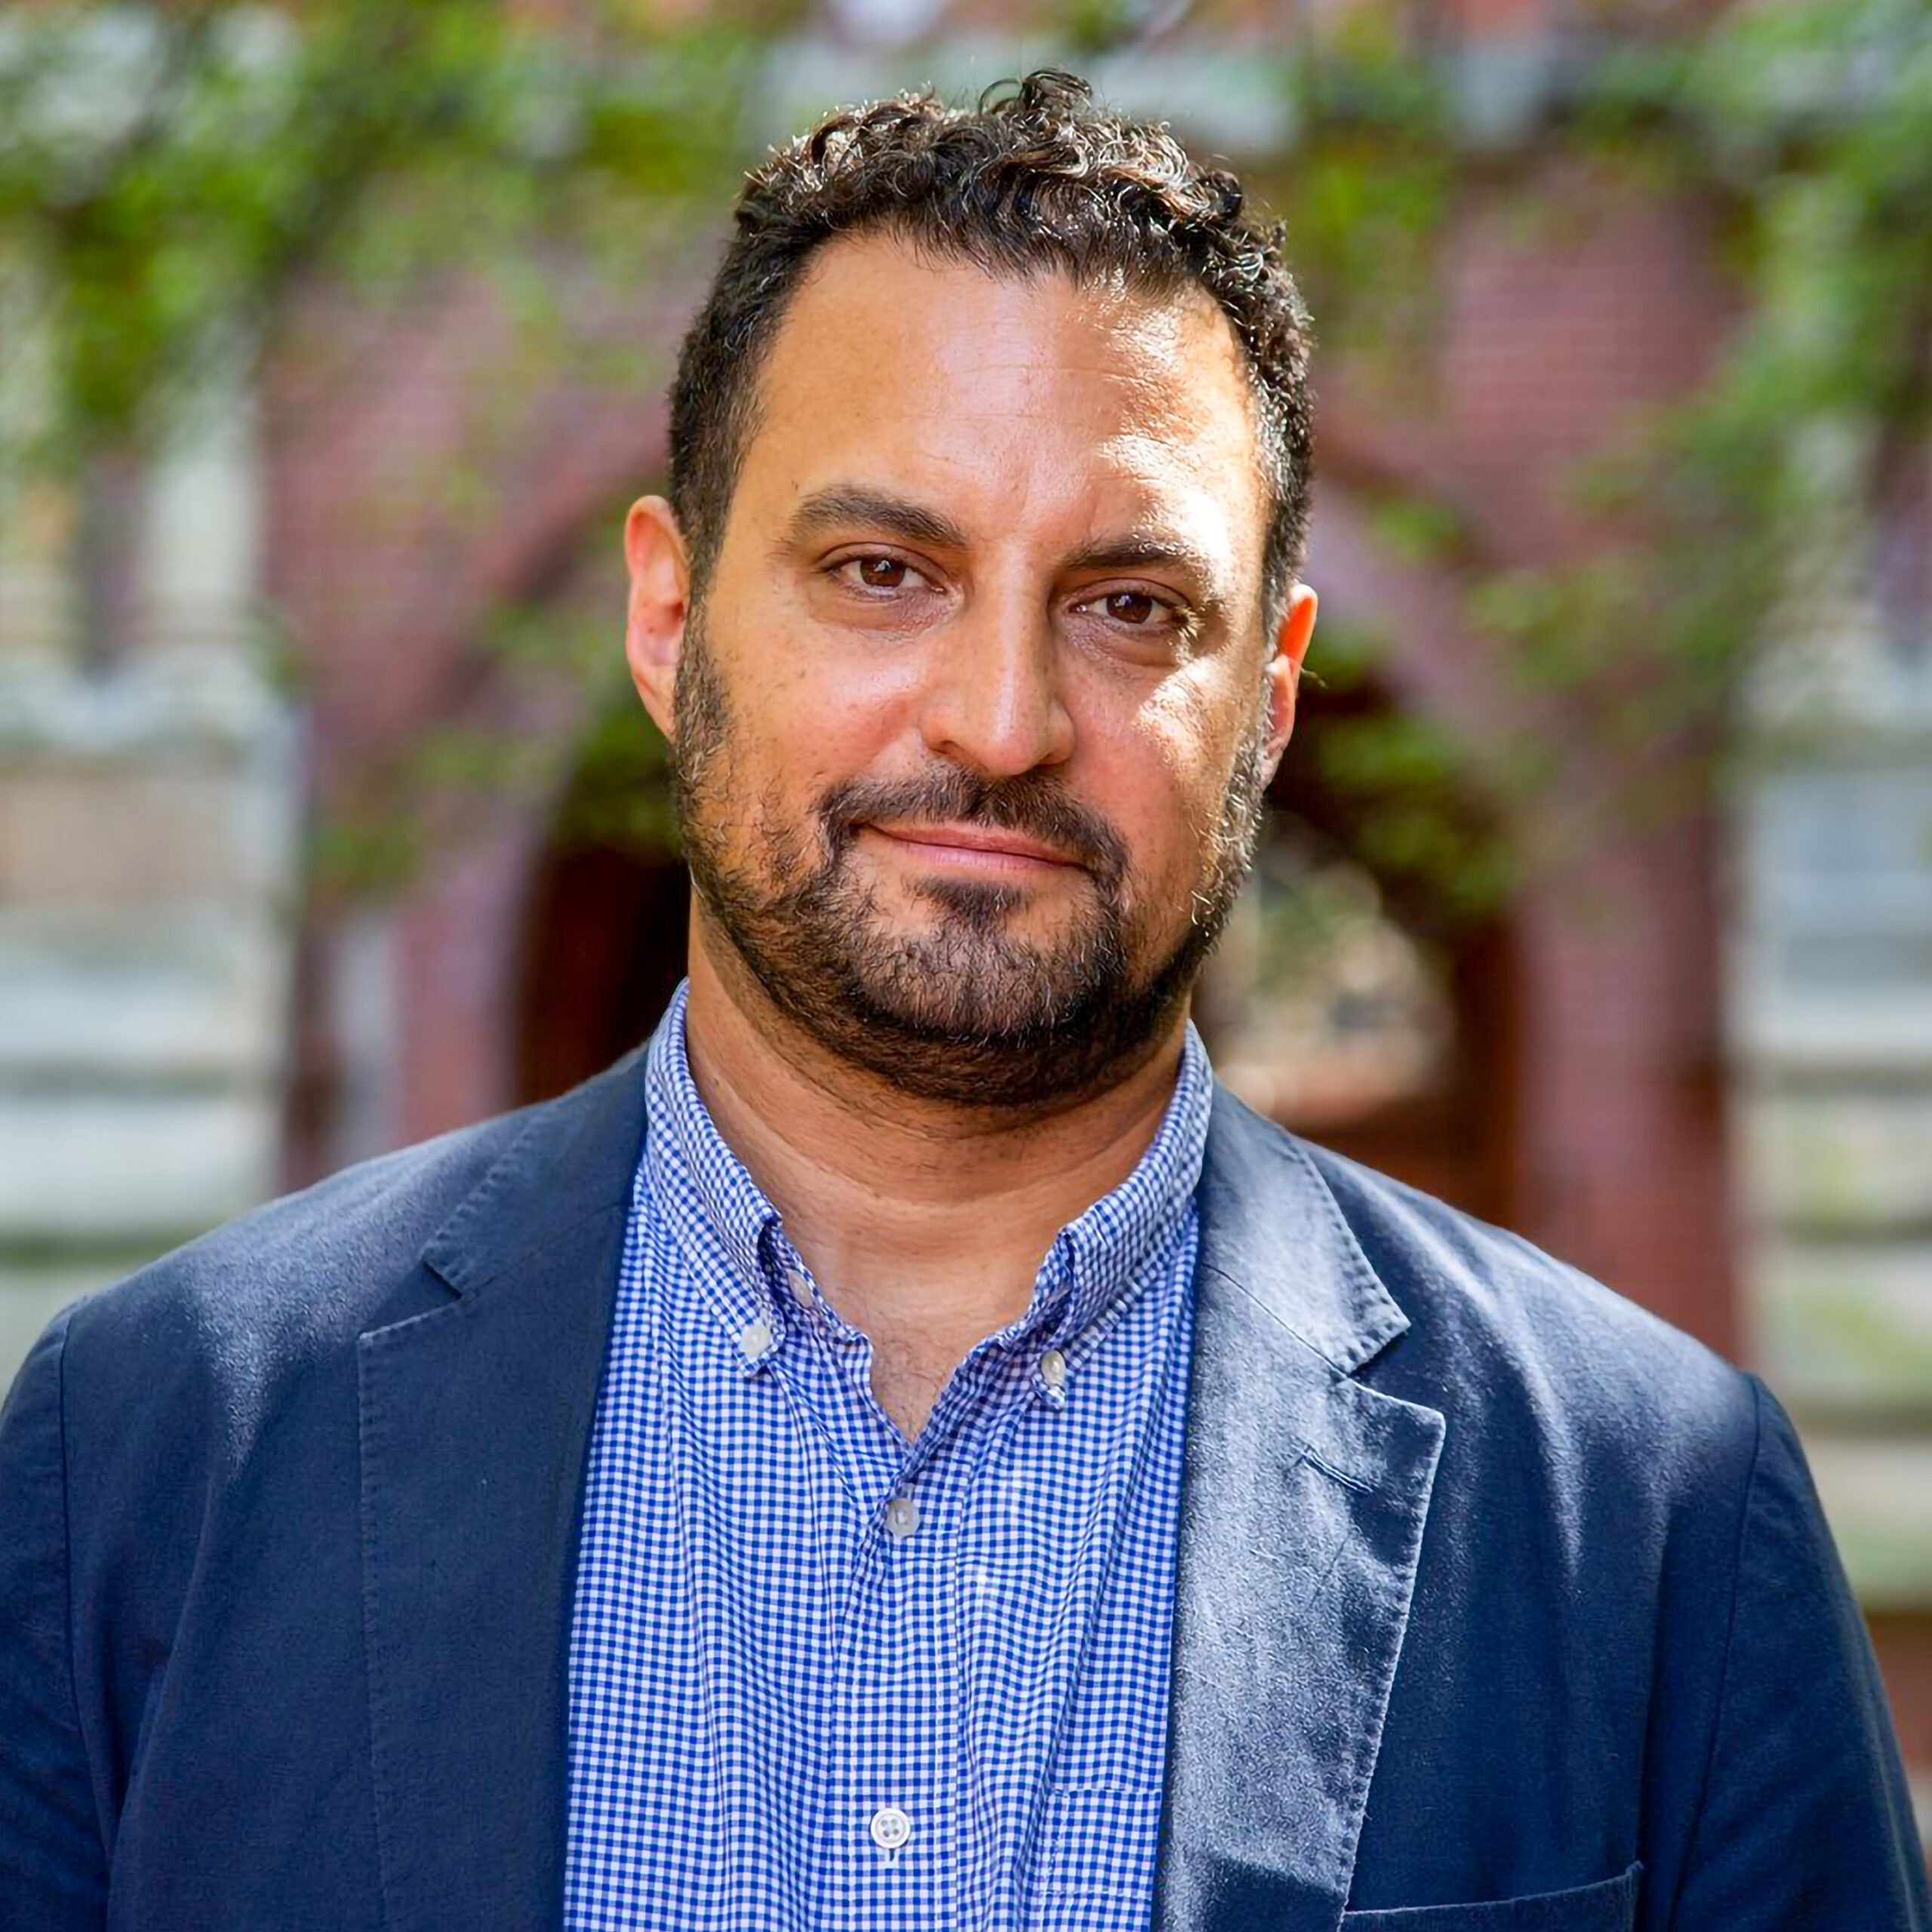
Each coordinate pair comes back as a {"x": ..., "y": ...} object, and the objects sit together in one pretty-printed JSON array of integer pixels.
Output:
[
  {"x": 800, "y": 1284},
  {"x": 902, "y": 1518},
  {"x": 754, "y": 1338},
  {"x": 890, "y": 1828},
  {"x": 1053, "y": 1368}
]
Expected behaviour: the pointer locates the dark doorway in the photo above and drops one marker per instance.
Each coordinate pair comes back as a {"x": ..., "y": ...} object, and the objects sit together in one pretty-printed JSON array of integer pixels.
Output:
[
  {"x": 1364, "y": 994},
  {"x": 604, "y": 950}
]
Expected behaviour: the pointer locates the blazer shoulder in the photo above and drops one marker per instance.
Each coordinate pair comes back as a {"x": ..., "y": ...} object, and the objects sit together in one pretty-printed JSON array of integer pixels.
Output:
[
  {"x": 299, "y": 1278},
  {"x": 1499, "y": 1327}
]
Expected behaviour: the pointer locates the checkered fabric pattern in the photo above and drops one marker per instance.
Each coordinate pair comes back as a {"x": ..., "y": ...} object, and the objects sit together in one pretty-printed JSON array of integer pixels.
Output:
[{"x": 822, "y": 1678}]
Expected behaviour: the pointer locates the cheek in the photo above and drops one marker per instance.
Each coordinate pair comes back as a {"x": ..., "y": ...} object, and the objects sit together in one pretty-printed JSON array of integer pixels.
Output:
[
  {"x": 1183, "y": 760},
  {"x": 803, "y": 720},
  {"x": 818, "y": 688}
]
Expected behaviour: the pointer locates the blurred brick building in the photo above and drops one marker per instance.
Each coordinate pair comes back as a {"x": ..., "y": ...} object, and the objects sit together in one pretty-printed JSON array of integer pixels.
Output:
[{"x": 1696, "y": 1059}]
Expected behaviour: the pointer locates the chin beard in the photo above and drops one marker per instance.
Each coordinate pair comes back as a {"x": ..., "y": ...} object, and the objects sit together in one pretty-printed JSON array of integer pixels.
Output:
[{"x": 957, "y": 1010}]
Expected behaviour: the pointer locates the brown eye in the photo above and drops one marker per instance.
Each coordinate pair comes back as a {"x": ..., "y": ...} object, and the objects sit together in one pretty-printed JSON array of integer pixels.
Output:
[
  {"x": 880, "y": 573},
  {"x": 1131, "y": 607}
]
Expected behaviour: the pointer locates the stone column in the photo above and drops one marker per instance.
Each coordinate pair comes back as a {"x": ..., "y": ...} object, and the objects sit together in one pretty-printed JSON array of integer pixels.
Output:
[
  {"x": 1831, "y": 997},
  {"x": 198, "y": 622},
  {"x": 148, "y": 811},
  {"x": 39, "y": 607}
]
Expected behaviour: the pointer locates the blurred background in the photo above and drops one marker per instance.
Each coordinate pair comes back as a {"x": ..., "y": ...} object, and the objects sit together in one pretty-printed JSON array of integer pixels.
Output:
[{"x": 1598, "y": 896}]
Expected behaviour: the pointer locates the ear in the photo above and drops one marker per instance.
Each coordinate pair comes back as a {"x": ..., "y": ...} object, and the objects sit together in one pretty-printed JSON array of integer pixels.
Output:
[
  {"x": 658, "y": 605},
  {"x": 1291, "y": 641}
]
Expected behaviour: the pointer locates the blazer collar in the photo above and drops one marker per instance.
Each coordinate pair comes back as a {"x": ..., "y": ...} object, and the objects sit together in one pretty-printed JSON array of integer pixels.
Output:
[
  {"x": 1304, "y": 1492},
  {"x": 576, "y": 1155},
  {"x": 1270, "y": 1222}
]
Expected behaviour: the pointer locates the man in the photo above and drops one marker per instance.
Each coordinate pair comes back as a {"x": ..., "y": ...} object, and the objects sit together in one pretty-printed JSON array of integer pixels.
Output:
[{"x": 904, "y": 1449}]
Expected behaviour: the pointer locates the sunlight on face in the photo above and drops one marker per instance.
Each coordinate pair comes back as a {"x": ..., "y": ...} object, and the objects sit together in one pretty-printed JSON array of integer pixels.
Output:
[{"x": 971, "y": 730}]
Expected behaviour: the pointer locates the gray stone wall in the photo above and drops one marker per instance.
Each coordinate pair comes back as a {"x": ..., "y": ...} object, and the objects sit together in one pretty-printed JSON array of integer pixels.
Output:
[
  {"x": 148, "y": 812},
  {"x": 1832, "y": 1012}
]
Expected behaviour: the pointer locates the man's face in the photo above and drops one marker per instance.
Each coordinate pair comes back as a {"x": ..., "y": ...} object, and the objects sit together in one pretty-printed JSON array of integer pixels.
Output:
[{"x": 972, "y": 728}]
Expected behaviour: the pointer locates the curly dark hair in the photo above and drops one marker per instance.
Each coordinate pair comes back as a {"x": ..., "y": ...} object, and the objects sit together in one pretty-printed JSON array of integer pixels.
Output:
[{"x": 1036, "y": 176}]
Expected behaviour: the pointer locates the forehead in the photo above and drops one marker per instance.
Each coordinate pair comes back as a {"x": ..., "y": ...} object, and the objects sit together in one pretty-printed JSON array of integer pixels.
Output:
[{"x": 1010, "y": 396}]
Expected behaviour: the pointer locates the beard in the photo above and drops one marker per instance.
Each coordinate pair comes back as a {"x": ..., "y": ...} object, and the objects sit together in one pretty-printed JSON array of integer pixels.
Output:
[{"x": 961, "y": 1011}]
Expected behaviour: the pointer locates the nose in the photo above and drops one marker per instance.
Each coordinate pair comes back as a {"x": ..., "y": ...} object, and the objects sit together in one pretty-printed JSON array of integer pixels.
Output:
[{"x": 993, "y": 701}]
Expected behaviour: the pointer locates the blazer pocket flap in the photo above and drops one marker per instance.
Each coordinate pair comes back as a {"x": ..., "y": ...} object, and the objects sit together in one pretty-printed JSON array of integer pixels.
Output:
[{"x": 1608, "y": 1906}]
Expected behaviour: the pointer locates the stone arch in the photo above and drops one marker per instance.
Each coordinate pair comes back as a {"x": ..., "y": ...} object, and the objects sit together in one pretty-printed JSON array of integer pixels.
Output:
[
  {"x": 601, "y": 950},
  {"x": 389, "y": 584},
  {"x": 1611, "y": 1078},
  {"x": 1445, "y": 1123}
]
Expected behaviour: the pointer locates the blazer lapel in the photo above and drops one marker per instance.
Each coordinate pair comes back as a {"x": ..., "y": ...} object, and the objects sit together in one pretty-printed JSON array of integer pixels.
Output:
[
  {"x": 475, "y": 1425},
  {"x": 1303, "y": 1500}
]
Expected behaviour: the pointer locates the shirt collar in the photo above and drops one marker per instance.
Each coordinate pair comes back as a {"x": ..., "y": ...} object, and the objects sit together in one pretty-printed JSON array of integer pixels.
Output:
[
  {"x": 1102, "y": 1253},
  {"x": 1095, "y": 1258},
  {"x": 691, "y": 1170}
]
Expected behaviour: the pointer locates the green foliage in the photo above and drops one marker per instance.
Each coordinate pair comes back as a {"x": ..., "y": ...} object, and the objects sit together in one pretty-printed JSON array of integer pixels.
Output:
[
  {"x": 618, "y": 797},
  {"x": 1805, "y": 123},
  {"x": 173, "y": 179},
  {"x": 168, "y": 173}
]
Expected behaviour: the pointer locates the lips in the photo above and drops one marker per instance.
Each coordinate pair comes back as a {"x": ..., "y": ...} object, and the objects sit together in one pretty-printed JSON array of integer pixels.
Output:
[
  {"x": 946, "y": 819},
  {"x": 991, "y": 844}
]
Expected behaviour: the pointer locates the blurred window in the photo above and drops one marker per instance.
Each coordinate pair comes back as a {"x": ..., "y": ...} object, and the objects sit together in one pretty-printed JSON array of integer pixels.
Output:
[{"x": 1319, "y": 1007}]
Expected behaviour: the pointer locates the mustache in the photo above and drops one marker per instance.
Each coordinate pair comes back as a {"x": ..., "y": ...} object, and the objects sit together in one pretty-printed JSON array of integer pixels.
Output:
[{"x": 1031, "y": 802}]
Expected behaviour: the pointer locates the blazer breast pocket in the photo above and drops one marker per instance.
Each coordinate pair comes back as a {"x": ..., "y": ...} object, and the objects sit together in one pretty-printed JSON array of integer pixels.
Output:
[{"x": 1610, "y": 1906}]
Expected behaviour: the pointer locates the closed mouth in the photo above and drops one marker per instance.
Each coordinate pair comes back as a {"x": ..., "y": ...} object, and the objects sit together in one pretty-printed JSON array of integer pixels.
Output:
[{"x": 992, "y": 845}]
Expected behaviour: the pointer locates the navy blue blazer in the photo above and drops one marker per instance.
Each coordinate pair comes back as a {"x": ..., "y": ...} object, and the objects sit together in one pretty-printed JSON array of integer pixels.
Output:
[{"x": 1501, "y": 1605}]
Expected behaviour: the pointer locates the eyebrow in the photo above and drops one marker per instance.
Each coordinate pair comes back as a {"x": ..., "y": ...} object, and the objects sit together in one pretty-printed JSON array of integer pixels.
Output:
[
  {"x": 840, "y": 505},
  {"x": 1144, "y": 552}
]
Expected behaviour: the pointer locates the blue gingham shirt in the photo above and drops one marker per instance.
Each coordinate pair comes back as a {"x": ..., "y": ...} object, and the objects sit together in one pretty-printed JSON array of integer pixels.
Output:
[{"x": 821, "y": 1678}]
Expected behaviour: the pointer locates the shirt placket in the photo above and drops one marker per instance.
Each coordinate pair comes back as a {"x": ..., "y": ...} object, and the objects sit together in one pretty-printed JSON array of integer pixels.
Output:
[
  {"x": 896, "y": 1825},
  {"x": 877, "y": 1766},
  {"x": 894, "y": 1807}
]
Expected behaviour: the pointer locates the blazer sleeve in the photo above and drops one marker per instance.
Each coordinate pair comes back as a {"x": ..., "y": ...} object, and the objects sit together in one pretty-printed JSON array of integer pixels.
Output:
[
  {"x": 1805, "y": 1823},
  {"x": 53, "y": 1866}
]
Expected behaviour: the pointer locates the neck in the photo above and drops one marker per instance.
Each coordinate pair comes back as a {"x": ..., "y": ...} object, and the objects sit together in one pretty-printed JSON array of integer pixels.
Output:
[{"x": 923, "y": 1223}]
